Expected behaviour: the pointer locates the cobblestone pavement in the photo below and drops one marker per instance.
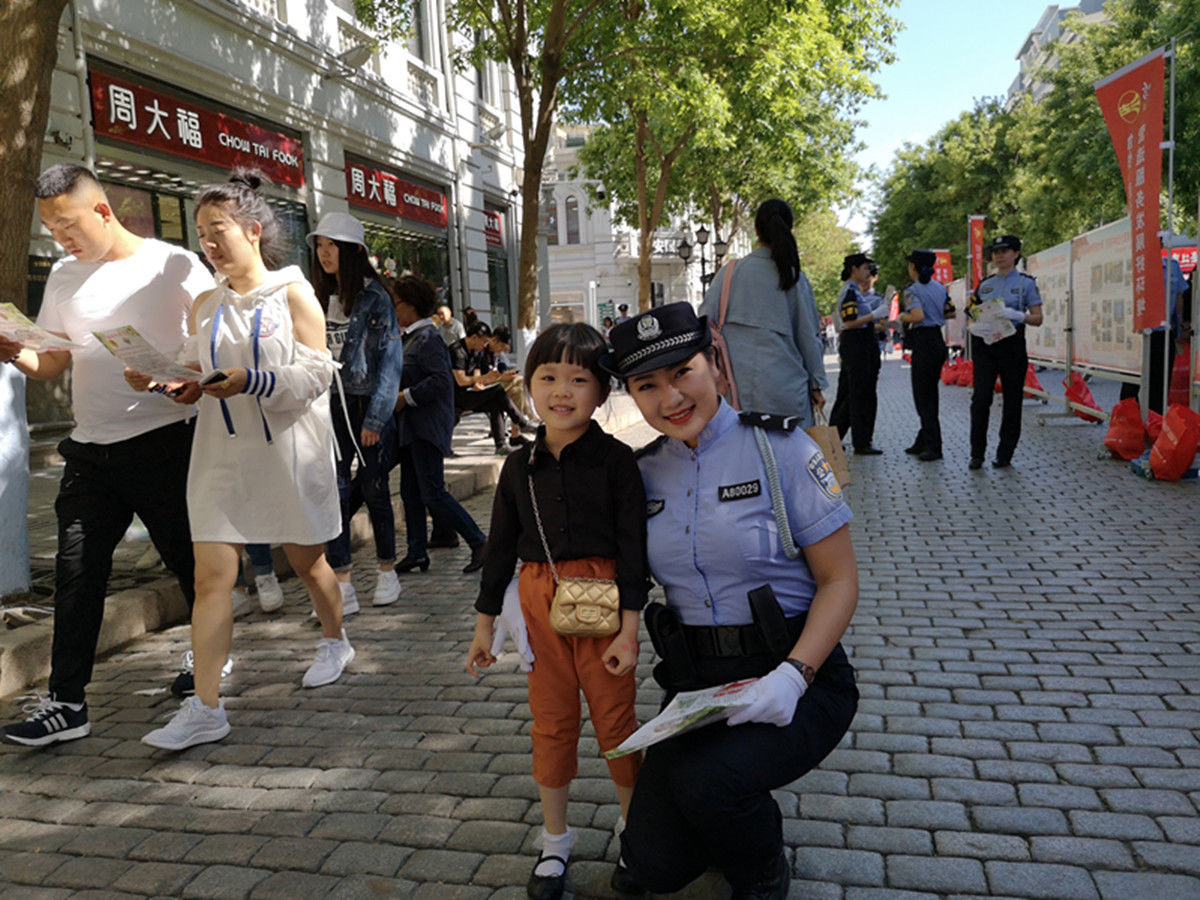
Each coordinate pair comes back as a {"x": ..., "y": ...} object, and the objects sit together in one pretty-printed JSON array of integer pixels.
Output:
[{"x": 1026, "y": 643}]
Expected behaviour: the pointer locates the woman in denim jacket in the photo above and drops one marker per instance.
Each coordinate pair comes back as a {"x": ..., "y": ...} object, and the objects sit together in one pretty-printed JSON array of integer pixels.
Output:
[{"x": 362, "y": 334}]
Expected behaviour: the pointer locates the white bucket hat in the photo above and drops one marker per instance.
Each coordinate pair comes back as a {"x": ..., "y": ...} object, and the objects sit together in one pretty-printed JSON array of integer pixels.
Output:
[{"x": 338, "y": 226}]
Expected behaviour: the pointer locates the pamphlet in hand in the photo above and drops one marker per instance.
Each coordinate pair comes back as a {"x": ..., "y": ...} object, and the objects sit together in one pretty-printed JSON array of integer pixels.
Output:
[
  {"x": 137, "y": 354},
  {"x": 16, "y": 326},
  {"x": 991, "y": 325},
  {"x": 687, "y": 711}
]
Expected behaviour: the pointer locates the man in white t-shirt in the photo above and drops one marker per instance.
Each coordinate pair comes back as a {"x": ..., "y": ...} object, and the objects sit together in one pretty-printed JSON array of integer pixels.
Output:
[{"x": 129, "y": 451}]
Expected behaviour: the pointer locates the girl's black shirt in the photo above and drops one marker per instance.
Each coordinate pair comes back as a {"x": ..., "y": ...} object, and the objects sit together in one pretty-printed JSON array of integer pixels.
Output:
[{"x": 592, "y": 504}]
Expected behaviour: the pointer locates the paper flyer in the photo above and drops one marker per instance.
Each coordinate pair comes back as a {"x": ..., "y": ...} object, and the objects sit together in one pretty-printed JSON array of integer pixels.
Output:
[
  {"x": 688, "y": 710},
  {"x": 135, "y": 351},
  {"x": 991, "y": 325},
  {"x": 16, "y": 326}
]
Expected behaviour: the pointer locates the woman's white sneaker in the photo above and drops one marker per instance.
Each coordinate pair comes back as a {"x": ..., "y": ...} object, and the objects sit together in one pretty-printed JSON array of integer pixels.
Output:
[
  {"x": 333, "y": 655},
  {"x": 193, "y": 724},
  {"x": 270, "y": 594},
  {"x": 387, "y": 589}
]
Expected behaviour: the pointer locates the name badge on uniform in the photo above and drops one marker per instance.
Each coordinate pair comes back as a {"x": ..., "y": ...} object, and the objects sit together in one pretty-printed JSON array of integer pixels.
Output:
[
  {"x": 654, "y": 507},
  {"x": 743, "y": 491}
]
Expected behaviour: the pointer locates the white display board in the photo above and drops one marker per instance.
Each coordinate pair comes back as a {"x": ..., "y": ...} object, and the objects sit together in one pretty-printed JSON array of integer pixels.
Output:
[
  {"x": 1052, "y": 269},
  {"x": 955, "y": 330},
  {"x": 1103, "y": 300}
]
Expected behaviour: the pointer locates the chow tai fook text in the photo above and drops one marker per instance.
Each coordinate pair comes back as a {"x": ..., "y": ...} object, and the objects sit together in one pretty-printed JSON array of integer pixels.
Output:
[
  {"x": 135, "y": 114},
  {"x": 384, "y": 192}
]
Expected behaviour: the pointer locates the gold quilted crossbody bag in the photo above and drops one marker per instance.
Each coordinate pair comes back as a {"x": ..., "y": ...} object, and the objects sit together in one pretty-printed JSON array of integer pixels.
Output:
[{"x": 582, "y": 607}]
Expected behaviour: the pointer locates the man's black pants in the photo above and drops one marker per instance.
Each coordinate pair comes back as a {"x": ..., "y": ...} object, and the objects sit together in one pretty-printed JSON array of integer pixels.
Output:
[
  {"x": 103, "y": 485},
  {"x": 1008, "y": 359}
]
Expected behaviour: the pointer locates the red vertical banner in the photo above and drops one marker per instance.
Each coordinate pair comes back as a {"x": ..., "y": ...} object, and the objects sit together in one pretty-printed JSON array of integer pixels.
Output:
[
  {"x": 975, "y": 236},
  {"x": 943, "y": 268},
  {"x": 1132, "y": 102}
]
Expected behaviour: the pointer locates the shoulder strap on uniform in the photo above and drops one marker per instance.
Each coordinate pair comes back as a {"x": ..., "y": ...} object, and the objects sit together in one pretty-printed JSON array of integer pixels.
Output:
[
  {"x": 790, "y": 550},
  {"x": 769, "y": 422}
]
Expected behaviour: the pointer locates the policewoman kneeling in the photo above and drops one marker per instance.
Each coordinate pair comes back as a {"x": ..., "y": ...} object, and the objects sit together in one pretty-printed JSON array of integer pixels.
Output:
[{"x": 703, "y": 798}]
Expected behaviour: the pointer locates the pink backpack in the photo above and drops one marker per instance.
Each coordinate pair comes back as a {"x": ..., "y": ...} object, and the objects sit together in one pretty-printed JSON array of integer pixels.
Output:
[{"x": 725, "y": 380}]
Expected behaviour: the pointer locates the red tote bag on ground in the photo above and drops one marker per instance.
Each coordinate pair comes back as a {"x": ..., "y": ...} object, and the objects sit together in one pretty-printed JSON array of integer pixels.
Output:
[
  {"x": 1173, "y": 452},
  {"x": 1078, "y": 392},
  {"x": 1126, "y": 437},
  {"x": 966, "y": 374},
  {"x": 1031, "y": 381},
  {"x": 1178, "y": 392}
]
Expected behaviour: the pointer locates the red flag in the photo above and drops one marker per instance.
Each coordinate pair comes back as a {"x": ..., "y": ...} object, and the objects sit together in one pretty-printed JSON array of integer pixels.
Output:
[
  {"x": 943, "y": 269},
  {"x": 1132, "y": 102},
  {"x": 975, "y": 233}
]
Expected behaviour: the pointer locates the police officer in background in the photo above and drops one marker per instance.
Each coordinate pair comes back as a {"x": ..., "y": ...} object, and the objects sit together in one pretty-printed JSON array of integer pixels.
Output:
[
  {"x": 703, "y": 798},
  {"x": 926, "y": 307},
  {"x": 1007, "y": 357},
  {"x": 1162, "y": 339},
  {"x": 856, "y": 402}
]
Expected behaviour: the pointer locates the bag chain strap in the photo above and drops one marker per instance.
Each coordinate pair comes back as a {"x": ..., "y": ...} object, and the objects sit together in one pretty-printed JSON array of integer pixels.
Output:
[{"x": 537, "y": 517}]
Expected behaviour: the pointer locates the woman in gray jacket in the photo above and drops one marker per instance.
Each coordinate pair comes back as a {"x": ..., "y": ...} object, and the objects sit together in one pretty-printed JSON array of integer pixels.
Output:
[{"x": 772, "y": 329}]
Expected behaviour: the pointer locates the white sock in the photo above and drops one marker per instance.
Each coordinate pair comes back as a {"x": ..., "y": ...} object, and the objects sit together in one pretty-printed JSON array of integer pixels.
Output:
[{"x": 555, "y": 845}]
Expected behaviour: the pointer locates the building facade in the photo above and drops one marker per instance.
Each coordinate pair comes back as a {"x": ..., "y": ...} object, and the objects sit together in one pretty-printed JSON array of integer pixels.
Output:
[
  {"x": 1037, "y": 52},
  {"x": 160, "y": 97}
]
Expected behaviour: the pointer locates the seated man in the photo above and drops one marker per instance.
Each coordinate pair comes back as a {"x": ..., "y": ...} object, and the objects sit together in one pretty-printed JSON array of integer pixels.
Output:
[
  {"x": 479, "y": 391},
  {"x": 500, "y": 346}
]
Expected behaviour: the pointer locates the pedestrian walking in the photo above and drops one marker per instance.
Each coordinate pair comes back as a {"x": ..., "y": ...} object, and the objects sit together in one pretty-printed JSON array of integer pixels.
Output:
[
  {"x": 1007, "y": 357},
  {"x": 772, "y": 328},
  {"x": 856, "y": 402},
  {"x": 362, "y": 334},
  {"x": 570, "y": 507},
  {"x": 262, "y": 468},
  {"x": 714, "y": 537},
  {"x": 128, "y": 452},
  {"x": 424, "y": 426},
  {"x": 927, "y": 306}
]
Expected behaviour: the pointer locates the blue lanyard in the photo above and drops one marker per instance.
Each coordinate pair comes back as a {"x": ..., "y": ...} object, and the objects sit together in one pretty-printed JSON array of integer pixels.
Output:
[{"x": 212, "y": 344}]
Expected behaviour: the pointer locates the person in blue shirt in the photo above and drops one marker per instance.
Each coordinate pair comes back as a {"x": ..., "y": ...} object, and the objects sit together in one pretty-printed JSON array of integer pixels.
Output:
[
  {"x": 1162, "y": 339},
  {"x": 926, "y": 307},
  {"x": 1007, "y": 357},
  {"x": 714, "y": 540},
  {"x": 856, "y": 401}
]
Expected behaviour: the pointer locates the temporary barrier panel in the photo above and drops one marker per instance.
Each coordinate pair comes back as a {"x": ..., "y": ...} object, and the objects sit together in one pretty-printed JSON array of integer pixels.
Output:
[
  {"x": 955, "y": 330},
  {"x": 1052, "y": 269},
  {"x": 1104, "y": 336}
]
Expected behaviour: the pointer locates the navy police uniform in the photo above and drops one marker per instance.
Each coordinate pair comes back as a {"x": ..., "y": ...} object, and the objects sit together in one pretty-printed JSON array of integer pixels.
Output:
[
  {"x": 856, "y": 402},
  {"x": 928, "y": 354},
  {"x": 1006, "y": 358},
  {"x": 703, "y": 798}
]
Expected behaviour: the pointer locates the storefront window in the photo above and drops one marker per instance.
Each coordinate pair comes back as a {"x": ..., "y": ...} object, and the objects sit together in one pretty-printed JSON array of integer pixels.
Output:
[
  {"x": 398, "y": 252},
  {"x": 572, "y": 220},
  {"x": 498, "y": 289},
  {"x": 551, "y": 220}
]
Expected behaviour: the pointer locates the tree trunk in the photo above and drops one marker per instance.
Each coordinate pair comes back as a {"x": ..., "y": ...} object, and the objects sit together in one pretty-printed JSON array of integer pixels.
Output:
[
  {"x": 645, "y": 234},
  {"x": 29, "y": 48}
]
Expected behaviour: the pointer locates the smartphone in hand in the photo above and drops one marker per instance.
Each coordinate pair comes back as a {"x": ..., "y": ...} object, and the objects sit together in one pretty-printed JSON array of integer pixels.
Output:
[{"x": 215, "y": 377}]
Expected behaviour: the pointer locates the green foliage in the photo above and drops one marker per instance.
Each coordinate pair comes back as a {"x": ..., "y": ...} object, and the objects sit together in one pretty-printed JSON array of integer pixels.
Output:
[
  {"x": 823, "y": 244},
  {"x": 1045, "y": 171}
]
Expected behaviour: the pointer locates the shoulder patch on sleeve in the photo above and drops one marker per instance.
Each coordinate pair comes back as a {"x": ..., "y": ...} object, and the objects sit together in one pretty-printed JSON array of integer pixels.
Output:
[
  {"x": 654, "y": 507},
  {"x": 650, "y": 447},
  {"x": 822, "y": 473},
  {"x": 769, "y": 422}
]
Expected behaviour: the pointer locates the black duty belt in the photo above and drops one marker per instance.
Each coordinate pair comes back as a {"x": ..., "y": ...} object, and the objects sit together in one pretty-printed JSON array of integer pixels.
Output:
[{"x": 719, "y": 641}]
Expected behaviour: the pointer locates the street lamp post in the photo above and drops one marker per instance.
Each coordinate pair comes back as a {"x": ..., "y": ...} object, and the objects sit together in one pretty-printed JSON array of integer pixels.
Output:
[
  {"x": 685, "y": 253},
  {"x": 702, "y": 240}
]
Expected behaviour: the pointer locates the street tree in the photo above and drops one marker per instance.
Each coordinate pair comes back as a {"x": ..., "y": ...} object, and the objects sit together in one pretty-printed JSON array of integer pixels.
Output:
[
  {"x": 539, "y": 41},
  {"x": 29, "y": 48}
]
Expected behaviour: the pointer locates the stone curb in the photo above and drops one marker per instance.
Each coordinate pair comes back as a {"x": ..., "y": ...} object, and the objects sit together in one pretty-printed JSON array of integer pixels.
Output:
[{"x": 128, "y": 614}]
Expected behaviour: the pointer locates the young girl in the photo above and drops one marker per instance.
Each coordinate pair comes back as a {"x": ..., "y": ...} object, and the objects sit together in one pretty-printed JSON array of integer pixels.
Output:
[
  {"x": 360, "y": 328},
  {"x": 262, "y": 456},
  {"x": 592, "y": 508}
]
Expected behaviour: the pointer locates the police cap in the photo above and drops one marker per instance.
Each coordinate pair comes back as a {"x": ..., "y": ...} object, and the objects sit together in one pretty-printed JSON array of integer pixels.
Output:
[
  {"x": 1006, "y": 242},
  {"x": 651, "y": 340},
  {"x": 922, "y": 259}
]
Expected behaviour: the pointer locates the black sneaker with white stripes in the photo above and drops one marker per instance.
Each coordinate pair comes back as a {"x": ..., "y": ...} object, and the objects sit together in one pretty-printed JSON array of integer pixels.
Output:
[{"x": 49, "y": 722}]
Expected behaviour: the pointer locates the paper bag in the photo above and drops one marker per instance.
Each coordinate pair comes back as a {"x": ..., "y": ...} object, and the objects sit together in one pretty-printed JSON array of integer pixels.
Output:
[{"x": 830, "y": 442}]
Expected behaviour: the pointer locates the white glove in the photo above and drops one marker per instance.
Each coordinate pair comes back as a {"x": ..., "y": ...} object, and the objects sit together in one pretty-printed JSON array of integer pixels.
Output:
[
  {"x": 511, "y": 624},
  {"x": 1015, "y": 315},
  {"x": 773, "y": 697},
  {"x": 880, "y": 312}
]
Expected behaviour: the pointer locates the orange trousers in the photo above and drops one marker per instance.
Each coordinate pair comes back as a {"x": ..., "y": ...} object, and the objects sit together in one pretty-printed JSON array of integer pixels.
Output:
[{"x": 561, "y": 667}]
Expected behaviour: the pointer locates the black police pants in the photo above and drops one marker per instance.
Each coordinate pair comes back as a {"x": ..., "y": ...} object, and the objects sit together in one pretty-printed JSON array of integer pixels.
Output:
[
  {"x": 1008, "y": 359},
  {"x": 103, "y": 485},
  {"x": 703, "y": 798},
  {"x": 928, "y": 357},
  {"x": 855, "y": 410},
  {"x": 1161, "y": 345}
]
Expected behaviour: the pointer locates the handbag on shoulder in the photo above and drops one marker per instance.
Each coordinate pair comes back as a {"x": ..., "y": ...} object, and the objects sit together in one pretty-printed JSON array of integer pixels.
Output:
[
  {"x": 726, "y": 385},
  {"x": 582, "y": 607}
]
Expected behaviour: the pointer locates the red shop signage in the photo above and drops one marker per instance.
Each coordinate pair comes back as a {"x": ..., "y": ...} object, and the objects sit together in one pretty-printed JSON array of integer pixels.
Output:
[
  {"x": 493, "y": 228},
  {"x": 1185, "y": 256},
  {"x": 387, "y": 193},
  {"x": 135, "y": 114}
]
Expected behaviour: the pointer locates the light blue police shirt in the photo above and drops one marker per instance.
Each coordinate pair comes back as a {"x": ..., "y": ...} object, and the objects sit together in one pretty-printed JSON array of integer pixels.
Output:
[
  {"x": 711, "y": 533},
  {"x": 932, "y": 298},
  {"x": 852, "y": 304},
  {"x": 1175, "y": 284},
  {"x": 1018, "y": 290}
]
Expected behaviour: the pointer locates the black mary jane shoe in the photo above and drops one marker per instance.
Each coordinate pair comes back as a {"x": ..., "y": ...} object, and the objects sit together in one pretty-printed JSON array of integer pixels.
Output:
[
  {"x": 772, "y": 884},
  {"x": 476, "y": 562},
  {"x": 624, "y": 883},
  {"x": 546, "y": 887},
  {"x": 413, "y": 562}
]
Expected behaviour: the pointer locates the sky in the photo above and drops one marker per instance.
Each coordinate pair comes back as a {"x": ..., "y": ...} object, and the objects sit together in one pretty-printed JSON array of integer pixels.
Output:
[{"x": 949, "y": 53}]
